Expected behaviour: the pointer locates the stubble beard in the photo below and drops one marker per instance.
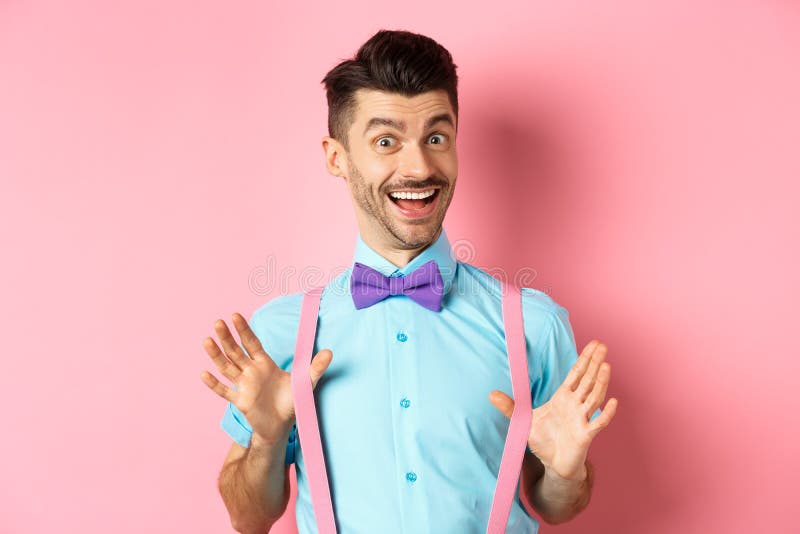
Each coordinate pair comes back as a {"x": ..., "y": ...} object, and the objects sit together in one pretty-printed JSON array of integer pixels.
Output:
[{"x": 373, "y": 204}]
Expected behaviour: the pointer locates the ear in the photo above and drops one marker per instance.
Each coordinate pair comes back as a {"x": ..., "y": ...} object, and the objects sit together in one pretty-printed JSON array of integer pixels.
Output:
[{"x": 335, "y": 157}]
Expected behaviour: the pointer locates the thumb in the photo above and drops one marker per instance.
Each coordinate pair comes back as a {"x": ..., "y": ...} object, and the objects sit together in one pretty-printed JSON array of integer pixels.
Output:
[
  {"x": 502, "y": 402},
  {"x": 319, "y": 364}
]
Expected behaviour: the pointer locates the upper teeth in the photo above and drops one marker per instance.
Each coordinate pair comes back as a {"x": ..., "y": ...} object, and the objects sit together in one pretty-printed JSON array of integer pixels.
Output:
[{"x": 407, "y": 195}]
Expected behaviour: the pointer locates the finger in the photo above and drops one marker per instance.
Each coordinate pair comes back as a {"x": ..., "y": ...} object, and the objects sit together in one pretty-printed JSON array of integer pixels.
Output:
[
  {"x": 598, "y": 393},
  {"x": 228, "y": 369},
  {"x": 232, "y": 348},
  {"x": 602, "y": 420},
  {"x": 587, "y": 381},
  {"x": 249, "y": 339},
  {"x": 502, "y": 402},
  {"x": 319, "y": 364},
  {"x": 218, "y": 387},
  {"x": 580, "y": 365}
]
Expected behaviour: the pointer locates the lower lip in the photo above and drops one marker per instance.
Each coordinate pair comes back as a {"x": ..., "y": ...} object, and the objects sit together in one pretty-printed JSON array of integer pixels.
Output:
[{"x": 422, "y": 212}]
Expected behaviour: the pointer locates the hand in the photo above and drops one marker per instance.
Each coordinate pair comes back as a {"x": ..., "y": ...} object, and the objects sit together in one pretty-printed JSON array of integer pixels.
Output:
[
  {"x": 560, "y": 429},
  {"x": 264, "y": 393}
]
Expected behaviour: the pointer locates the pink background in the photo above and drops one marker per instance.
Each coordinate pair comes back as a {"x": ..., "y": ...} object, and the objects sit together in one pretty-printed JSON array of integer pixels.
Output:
[{"x": 158, "y": 159}]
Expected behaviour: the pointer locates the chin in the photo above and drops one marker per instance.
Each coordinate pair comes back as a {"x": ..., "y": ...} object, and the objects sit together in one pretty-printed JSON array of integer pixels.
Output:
[{"x": 420, "y": 234}]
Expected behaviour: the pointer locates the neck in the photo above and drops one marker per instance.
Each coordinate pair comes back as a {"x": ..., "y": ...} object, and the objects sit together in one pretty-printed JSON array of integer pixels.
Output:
[{"x": 398, "y": 255}]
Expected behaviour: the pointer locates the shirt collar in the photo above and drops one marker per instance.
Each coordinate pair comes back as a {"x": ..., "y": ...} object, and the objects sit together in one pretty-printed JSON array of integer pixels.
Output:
[{"x": 438, "y": 251}]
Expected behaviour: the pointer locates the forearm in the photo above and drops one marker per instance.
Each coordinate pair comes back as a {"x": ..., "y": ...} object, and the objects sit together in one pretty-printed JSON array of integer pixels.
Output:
[
  {"x": 557, "y": 500},
  {"x": 255, "y": 488}
]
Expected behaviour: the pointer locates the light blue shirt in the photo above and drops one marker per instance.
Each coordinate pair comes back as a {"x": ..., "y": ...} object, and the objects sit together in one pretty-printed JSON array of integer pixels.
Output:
[{"x": 412, "y": 443}]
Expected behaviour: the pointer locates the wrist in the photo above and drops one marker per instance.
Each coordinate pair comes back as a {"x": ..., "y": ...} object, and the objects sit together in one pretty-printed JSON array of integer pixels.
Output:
[
  {"x": 259, "y": 441},
  {"x": 558, "y": 498},
  {"x": 571, "y": 479}
]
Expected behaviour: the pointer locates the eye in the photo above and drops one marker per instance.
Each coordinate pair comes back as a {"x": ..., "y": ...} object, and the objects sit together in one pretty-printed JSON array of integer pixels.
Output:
[
  {"x": 385, "y": 142},
  {"x": 438, "y": 139}
]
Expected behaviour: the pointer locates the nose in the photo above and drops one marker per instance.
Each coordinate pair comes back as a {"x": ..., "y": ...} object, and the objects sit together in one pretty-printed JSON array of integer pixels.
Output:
[{"x": 414, "y": 162}]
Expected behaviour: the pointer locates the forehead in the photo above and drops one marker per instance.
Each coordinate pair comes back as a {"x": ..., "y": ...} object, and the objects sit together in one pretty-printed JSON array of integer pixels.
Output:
[{"x": 371, "y": 103}]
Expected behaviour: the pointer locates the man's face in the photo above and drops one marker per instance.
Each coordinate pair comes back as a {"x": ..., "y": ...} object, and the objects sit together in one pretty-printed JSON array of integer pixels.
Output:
[{"x": 402, "y": 144}]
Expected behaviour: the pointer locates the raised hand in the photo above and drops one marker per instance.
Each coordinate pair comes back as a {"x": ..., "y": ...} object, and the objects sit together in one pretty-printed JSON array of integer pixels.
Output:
[
  {"x": 560, "y": 429},
  {"x": 264, "y": 390}
]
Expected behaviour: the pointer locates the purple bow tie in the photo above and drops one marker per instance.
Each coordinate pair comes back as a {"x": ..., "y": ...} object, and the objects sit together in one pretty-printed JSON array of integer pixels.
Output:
[{"x": 423, "y": 285}]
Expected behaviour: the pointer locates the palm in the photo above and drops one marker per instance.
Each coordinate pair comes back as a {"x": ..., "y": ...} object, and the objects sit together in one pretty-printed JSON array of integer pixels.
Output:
[
  {"x": 263, "y": 390},
  {"x": 560, "y": 435},
  {"x": 264, "y": 396},
  {"x": 561, "y": 432}
]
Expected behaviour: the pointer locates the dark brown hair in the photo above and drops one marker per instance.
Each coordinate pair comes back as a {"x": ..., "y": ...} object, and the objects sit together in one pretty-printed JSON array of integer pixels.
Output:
[{"x": 394, "y": 61}]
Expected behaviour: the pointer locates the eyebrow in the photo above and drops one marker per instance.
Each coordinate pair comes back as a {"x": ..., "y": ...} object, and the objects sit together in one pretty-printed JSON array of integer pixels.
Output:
[{"x": 400, "y": 125}]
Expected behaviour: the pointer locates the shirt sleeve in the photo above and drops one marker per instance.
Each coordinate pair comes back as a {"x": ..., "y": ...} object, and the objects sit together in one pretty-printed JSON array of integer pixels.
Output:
[
  {"x": 235, "y": 424},
  {"x": 554, "y": 353},
  {"x": 275, "y": 324}
]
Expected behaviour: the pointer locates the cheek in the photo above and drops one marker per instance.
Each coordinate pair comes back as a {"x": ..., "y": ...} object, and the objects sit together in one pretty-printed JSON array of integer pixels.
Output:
[
  {"x": 378, "y": 168},
  {"x": 374, "y": 168},
  {"x": 376, "y": 173},
  {"x": 447, "y": 164}
]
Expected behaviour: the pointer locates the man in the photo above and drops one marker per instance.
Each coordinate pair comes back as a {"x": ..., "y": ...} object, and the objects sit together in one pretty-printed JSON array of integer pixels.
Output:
[{"x": 411, "y": 415}]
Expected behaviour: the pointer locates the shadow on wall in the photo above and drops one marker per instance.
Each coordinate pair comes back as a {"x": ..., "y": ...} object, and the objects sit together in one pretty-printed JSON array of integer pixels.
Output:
[{"x": 520, "y": 167}]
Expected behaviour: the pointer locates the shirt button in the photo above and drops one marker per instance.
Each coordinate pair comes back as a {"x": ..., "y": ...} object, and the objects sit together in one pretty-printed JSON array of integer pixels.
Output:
[
  {"x": 411, "y": 476},
  {"x": 405, "y": 403},
  {"x": 401, "y": 337}
]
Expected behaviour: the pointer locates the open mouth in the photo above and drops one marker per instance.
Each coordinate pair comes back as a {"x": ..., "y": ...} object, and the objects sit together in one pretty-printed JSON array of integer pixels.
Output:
[
  {"x": 415, "y": 205},
  {"x": 416, "y": 200}
]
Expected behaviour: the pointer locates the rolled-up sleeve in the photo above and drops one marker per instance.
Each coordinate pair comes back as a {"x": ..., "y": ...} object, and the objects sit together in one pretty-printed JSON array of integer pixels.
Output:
[
  {"x": 556, "y": 354},
  {"x": 235, "y": 424}
]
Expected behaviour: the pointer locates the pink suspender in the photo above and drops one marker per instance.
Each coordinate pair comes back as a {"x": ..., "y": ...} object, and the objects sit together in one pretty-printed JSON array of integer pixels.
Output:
[
  {"x": 520, "y": 425},
  {"x": 518, "y": 430},
  {"x": 306, "y": 413}
]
